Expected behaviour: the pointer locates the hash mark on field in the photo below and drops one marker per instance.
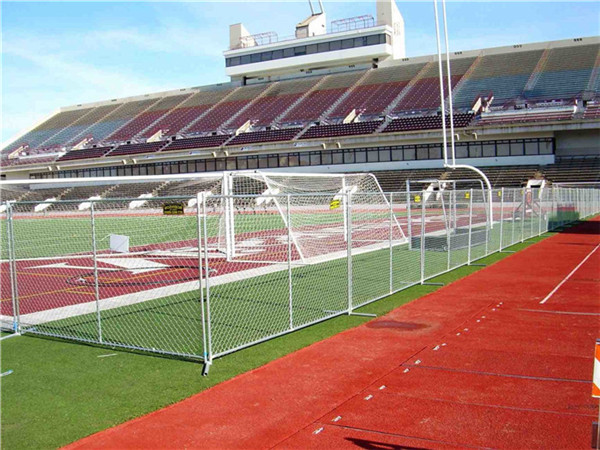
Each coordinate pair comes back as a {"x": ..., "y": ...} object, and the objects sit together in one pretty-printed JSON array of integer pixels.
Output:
[{"x": 568, "y": 276}]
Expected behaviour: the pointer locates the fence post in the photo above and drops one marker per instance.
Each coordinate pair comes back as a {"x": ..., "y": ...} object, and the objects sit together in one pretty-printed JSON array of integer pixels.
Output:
[
  {"x": 501, "y": 219},
  {"x": 208, "y": 360},
  {"x": 349, "y": 248},
  {"x": 422, "y": 249},
  {"x": 12, "y": 267},
  {"x": 95, "y": 261},
  {"x": 524, "y": 207},
  {"x": 391, "y": 245},
  {"x": 289, "y": 261},
  {"x": 200, "y": 264},
  {"x": 408, "y": 213},
  {"x": 470, "y": 226}
]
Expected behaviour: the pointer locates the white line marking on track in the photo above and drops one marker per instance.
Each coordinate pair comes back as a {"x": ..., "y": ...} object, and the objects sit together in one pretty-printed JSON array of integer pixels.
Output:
[{"x": 568, "y": 276}]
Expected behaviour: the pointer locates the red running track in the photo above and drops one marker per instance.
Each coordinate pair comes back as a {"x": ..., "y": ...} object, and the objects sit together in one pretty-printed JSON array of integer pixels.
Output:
[{"x": 477, "y": 363}]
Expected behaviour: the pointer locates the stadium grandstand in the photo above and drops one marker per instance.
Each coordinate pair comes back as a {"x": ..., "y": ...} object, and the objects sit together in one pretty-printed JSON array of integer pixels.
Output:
[{"x": 295, "y": 104}]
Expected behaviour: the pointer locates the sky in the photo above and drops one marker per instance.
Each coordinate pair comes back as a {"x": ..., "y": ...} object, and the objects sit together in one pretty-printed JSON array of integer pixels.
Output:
[{"x": 64, "y": 53}]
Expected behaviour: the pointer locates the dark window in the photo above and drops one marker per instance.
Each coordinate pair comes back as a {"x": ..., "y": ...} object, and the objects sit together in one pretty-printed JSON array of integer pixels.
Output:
[
  {"x": 277, "y": 54},
  {"x": 245, "y": 59},
  {"x": 315, "y": 159},
  {"x": 231, "y": 164},
  {"x": 422, "y": 152},
  {"x": 373, "y": 39},
  {"x": 435, "y": 152},
  {"x": 384, "y": 155},
  {"x": 252, "y": 162},
  {"x": 310, "y": 49},
  {"x": 475, "y": 150},
  {"x": 349, "y": 157},
  {"x": 360, "y": 41},
  {"x": 300, "y": 50},
  {"x": 326, "y": 158},
  {"x": 531, "y": 147},
  {"x": 242, "y": 163},
  {"x": 396, "y": 154},
  {"x": 255, "y": 57},
  {"x": 304, "y": 159},
  {"x": 273, "y": 161},
  {"x": 287, "y": 52},
  {"x": 373, "y": 155},
  {"x": 293, "y": 159},
  {"x": 360, "y": 156},
  {"x": 347, "y": 43},
  {"x": 266, "y": 56},
  {"x": 283, "y": 160},
  {"x": 516, "y": 148},
  {"x": 489, "y": 149},
  {"x": 462, "y": 151},
  {"x": 502, "y": 148},
  {"x": 335, "y": 45},
  {"x": 322, "y": 47},
  {"x": 263, "y": 162},
  {"x": 337, "y": 157},
  {"x": 409, "y": 154}
]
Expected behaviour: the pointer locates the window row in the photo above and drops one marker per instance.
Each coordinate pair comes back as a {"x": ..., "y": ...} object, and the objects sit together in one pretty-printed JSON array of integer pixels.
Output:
[
  {"x": 483, "y": 149},
  {"x": 310, "y": 49}
]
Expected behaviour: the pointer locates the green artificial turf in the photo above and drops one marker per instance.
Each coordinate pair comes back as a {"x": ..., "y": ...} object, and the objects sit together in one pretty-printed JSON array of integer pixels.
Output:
[{"x": 62, "y": 391}]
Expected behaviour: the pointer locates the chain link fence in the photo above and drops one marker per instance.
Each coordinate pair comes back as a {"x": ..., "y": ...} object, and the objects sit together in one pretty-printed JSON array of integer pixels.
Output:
[{"x": 228, "y": 271}]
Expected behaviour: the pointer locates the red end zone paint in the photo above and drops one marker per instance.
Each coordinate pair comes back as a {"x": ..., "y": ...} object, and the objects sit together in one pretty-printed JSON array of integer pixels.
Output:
[{"x": 285, "y": 402}]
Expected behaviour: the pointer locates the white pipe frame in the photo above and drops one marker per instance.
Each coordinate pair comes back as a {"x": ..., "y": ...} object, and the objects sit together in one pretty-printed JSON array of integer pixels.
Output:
[{"x": 453, "y": 165}]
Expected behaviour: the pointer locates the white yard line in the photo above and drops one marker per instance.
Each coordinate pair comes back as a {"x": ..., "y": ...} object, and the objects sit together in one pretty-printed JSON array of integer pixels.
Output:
[{"x": 568, "y": 276}]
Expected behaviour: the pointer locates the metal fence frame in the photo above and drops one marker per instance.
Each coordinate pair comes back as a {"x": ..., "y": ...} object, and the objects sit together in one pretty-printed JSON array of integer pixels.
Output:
[{"x": 444, "y": 231}]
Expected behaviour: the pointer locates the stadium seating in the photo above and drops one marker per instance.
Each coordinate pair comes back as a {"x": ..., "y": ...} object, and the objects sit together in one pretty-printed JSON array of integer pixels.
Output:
[
  {"x": 573, "y": 169},
  {"x": 341, "y": 129},
  {"x": 566, "y": 73},
  {"x": 227, "y": 109},
  {"x": 147, "y": 118},
  {"x": 134, "y": 149},
  {"x": 115, "y": 119},
  {"x": 186, "y": 113},
  {"x": 592, "y": 111},
  {"x": 412, "y": 123},
  {"x": 526, "y": 115},
  {"x": 502, "y": 75},
  {"x": 197, "y": 142},
  {"x": 286, "y": 134},
  {"x": 54, "y": 125},
  {"x": 280, "y": 97},
  {"x": 319, "y": 100},
  {"x": 87, "y": 153}
]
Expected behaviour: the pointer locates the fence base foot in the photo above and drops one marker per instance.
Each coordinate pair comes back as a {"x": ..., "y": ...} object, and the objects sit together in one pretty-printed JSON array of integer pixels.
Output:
[
  {"x": 362, "y": 314},
  {"x": 205, "y": 369},
  {"x": 478, "y": 265},
  {"x": 425, "y": 283},
  {"x": 507, "y": 251}
]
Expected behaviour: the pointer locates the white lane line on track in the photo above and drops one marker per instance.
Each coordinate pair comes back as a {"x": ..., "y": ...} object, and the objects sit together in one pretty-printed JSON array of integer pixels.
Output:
[{"x": 568, "y": 276}]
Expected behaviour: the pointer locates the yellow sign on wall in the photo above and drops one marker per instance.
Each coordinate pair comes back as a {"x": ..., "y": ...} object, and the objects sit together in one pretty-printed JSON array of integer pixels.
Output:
[
  {"x": 417, "y": 199},
  {"x": 335, "y": 203}
]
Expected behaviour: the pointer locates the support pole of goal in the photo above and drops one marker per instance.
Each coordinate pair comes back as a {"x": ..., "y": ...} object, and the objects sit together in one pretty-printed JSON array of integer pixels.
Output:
[
  {"x": 199, "y": 203},
  {"x": 209, "y": 358},
  {"x": 13, "y": 267},
  {"x": 289, "y": 263},
  {"x": 95, "y": 260},
  {"x": 229, "y": 219}
]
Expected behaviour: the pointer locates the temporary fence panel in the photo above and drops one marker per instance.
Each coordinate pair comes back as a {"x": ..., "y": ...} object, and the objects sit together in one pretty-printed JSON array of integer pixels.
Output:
[{"x": 204, "y": 274}]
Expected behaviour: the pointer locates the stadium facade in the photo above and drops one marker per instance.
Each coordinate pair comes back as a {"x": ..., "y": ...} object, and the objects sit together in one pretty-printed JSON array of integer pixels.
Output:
[{"x": 343, "y": 99}]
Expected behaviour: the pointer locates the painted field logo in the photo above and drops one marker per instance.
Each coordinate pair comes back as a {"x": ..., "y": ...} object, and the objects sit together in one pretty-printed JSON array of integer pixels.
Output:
[
  {"x": 173, "y": 209},
  {"x": 335, "y": 203}
]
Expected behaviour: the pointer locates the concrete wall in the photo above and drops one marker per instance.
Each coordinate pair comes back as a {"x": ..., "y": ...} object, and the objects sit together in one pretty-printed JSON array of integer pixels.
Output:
[{"x": 578, "y": 143}]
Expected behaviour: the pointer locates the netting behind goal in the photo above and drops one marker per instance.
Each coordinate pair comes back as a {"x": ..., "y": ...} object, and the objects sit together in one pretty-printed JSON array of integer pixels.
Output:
[{"x": 317, "y": 210}]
